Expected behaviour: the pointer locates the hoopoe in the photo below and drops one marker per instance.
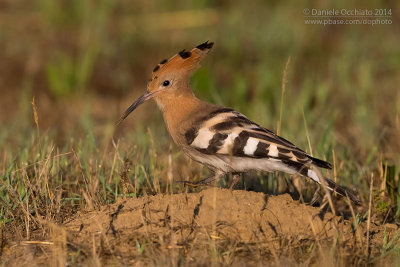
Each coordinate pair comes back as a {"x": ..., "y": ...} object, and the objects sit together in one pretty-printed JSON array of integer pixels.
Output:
[{"x": 221, "y": 138}]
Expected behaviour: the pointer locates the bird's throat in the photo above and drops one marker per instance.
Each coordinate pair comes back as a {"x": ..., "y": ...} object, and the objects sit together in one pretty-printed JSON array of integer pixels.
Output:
[{"x": 176, "y": 111}]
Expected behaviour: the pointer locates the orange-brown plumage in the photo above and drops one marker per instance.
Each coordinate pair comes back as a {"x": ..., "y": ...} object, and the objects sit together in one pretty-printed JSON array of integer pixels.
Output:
[
  {"x": 182, "y": 65},
  {"x": 178, "y": 103},
  {"x": 224, "y": 140}
]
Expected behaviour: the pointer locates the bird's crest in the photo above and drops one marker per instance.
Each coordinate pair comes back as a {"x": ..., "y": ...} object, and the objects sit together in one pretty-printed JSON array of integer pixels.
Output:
[{"x": 184, "y": 61}]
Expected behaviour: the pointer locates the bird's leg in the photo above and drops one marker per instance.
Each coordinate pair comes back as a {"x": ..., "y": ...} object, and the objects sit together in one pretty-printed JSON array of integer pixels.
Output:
[
  {"x": 315, "y": 197},
  {"x": 206, "y": 181},
  {"x": 235, "y": 180}
]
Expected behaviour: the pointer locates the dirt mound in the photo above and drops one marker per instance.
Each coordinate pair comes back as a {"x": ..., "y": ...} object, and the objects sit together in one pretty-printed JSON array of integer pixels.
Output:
[
  {"x": 214, "y": 217},
  {"x": 213, "y": 226},
  {"x": 247, "y": 216}
]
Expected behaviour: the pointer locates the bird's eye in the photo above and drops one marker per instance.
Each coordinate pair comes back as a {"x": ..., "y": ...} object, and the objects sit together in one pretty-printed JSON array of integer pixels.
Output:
[{"x": 165, "y": 83}]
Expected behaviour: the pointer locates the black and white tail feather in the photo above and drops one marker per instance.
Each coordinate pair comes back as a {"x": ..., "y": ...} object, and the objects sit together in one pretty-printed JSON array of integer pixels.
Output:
[{"x": 227, "y": 141}]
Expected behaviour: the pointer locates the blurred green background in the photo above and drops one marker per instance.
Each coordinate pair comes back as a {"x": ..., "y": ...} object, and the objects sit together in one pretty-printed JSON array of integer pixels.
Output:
[{"x": 86, "y": 61}]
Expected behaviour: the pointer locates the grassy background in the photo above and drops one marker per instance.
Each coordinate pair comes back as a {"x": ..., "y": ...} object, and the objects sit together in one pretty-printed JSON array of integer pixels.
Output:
[{"x": 86, "y": 61}]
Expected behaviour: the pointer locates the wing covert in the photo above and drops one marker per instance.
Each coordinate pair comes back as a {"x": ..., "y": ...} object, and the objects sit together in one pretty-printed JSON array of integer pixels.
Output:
[{"x": 228, "y": 132}]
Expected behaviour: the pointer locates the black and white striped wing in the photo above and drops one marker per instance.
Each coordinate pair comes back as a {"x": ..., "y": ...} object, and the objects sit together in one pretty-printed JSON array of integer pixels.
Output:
[{"x": 228, "y": 132}]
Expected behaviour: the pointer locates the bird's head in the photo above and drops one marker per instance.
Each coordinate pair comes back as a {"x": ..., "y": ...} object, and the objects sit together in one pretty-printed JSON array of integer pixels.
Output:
[{"x": 170, "y": 78}]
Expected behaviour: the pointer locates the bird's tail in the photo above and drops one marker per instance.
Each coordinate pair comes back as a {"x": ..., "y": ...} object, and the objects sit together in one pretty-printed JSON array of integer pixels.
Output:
[{"x": 331, "y": 185}]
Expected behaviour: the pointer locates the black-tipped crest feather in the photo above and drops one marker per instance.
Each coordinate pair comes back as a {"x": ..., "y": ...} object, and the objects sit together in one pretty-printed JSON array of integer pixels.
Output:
[
  {"x": 184, "y": 54},
  {"x": 205, "y": 45}
]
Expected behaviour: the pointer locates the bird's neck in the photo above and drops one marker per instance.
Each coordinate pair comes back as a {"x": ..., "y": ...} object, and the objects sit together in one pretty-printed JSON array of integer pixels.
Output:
[{"x": 177, "y": 110}]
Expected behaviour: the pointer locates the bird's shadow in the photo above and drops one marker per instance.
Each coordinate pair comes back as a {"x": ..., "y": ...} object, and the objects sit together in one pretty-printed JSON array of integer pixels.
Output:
[
  {"x": 268, "y": 185},
  {"x": 265, "y": 184}
]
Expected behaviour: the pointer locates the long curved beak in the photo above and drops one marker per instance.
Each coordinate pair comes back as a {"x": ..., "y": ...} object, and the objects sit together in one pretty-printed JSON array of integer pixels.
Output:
[{"x": 146, "y": 96}]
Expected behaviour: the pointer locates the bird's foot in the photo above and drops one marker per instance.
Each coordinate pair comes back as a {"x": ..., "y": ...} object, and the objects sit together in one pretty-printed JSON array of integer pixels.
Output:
[
  {"x": 235, "y": 180},
  {"x": 315, "y": 197},
  {"x": 203, "y": 182}
]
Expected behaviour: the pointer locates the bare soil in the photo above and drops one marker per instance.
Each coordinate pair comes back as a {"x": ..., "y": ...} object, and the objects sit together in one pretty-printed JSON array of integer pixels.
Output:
[{"x": 214, "y": 225}]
